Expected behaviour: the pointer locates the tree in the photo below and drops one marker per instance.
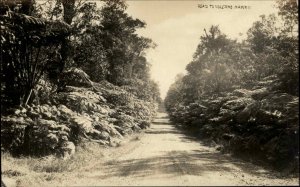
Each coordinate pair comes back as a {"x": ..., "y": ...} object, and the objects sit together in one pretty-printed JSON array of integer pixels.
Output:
[
  {"x": 175, "y": 94},
  {"x": 262, "y": 34},
  {"x": 288, "y": 10},
  {"x": 120, "y": 40},
  {"x": 212, "y": 69},
  {"x": 26, "y": 44},
  {"x": 277, "y": 47},
  {"x": 213, "y": 41}
]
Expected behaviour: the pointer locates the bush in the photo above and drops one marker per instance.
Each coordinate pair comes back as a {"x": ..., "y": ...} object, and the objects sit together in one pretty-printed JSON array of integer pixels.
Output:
[{"x": 74, "y": 115}]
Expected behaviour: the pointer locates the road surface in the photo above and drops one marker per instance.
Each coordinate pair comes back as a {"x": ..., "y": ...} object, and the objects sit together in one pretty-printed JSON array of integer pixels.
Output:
[{"x": 165, "y": 156}]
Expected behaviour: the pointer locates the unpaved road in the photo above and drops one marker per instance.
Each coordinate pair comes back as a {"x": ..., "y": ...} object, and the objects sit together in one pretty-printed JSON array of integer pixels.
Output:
[{"x": 165, "y": 156}]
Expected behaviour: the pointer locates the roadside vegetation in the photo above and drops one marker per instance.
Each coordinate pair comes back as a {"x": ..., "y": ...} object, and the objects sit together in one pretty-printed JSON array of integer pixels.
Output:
[
  {"x": 245, "y": 95},
  {"x": 71, "y": 72}
]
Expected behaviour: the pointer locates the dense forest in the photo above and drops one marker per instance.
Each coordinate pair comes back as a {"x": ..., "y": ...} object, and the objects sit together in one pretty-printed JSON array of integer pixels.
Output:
[
  {"x": 245, "y": 95},
  {"x": 72, "y": 71}
]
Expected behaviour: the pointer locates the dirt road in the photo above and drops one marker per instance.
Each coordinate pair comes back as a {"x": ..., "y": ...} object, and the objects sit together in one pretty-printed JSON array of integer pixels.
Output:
[{"x": 165, "y": 156}]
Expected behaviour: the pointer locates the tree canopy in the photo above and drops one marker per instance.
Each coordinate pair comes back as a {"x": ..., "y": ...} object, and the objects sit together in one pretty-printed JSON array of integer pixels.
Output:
[{"x": 101, "y": 41}]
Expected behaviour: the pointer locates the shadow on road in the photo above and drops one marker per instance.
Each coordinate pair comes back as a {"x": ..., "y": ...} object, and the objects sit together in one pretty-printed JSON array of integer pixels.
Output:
[
  {"x": 162, "y": 132},
  {"x": 175, "y": 163}
]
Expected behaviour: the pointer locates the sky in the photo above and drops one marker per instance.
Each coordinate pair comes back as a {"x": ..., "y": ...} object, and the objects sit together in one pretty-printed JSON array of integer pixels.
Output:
[{"x": 176, "y": 27}]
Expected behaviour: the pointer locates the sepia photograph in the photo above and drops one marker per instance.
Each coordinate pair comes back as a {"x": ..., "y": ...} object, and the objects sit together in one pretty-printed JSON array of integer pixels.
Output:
[{"x": 149, "y": 93}]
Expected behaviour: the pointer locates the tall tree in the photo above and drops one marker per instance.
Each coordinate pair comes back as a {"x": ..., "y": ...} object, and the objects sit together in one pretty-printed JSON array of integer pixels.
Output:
[{"x": 119, "y": 39}]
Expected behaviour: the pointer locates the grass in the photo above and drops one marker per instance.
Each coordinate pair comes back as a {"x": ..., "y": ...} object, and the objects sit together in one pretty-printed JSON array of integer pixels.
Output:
[
  {"x": 30, "y": 171},
  {"x": 50, "y": 170}
]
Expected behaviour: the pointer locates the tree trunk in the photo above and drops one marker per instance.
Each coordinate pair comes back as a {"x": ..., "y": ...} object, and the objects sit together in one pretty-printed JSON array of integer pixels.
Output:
[
  {"x": 27, "y": 7},
  {"x": 69, "y": 13},
  {"x": 69, "y": 10}
]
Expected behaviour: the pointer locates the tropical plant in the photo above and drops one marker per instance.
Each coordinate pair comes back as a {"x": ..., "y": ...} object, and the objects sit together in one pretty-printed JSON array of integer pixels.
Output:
[{"x": 26, "y": 45}]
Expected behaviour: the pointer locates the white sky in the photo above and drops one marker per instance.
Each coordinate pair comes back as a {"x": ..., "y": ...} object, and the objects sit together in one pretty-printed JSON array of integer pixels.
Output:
[{"x": 176, "y": 27}]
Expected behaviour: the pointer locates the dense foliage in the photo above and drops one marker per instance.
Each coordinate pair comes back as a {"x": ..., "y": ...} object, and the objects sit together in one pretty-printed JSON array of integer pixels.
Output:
[
  {"x": 245, "y": 95},
  {"x": 71, "y": 71}
]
